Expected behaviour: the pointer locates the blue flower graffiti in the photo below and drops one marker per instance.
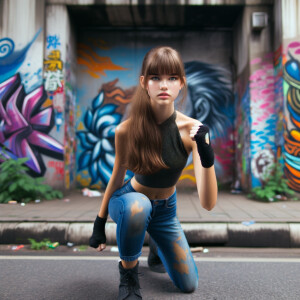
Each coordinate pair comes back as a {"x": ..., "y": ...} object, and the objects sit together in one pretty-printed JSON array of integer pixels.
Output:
[{"x": 98, "y": 140}]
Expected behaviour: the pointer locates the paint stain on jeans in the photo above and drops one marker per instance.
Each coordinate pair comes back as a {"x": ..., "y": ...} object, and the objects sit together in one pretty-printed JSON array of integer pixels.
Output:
[
  {"x": 181, "y": 258},
  {"x": 137, "y": 224},
  {"x": 135, "y": 209}
]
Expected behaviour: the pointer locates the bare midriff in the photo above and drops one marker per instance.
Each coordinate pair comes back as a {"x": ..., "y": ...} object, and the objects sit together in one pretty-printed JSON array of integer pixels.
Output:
[{"x": 153, "y": 193}]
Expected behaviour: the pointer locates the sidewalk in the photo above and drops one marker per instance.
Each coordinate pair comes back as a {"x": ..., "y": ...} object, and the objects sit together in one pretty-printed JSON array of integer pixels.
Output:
[{"x": 71, "y": 220}]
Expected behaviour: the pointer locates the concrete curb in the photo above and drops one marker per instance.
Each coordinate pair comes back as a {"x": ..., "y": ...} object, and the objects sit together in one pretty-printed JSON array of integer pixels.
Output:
[{"x": 282, "y": 235}]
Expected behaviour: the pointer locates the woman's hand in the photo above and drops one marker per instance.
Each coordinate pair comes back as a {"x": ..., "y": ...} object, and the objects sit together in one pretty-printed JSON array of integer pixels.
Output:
[
  {"x": 200, "y": 134},
  {"x": 98, "y": 238}
]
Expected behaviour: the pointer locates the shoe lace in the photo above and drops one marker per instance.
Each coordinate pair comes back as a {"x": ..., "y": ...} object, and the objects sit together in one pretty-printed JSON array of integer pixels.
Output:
[{"x": 132, "y": 282}]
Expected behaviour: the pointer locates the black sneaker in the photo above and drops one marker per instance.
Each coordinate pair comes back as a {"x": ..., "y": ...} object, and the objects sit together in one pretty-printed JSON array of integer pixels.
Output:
[
  {"x": 129, "y": 287},
  {"x": 154, "y": 262}
]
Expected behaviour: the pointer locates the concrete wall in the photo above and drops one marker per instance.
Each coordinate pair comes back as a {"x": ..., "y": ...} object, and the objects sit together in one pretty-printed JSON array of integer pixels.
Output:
[
  {"x": 255, "y": 96},
  {"x": 165, "y": 2},
  {"x": 108, "y": 68},
  {"x": 37, "y": 81},
  {"x": 27, "y": 115},
  {"x": 241, "y": 34},
  {"x": 59, "y": 74},
  {"x": 38, "y": 117}
]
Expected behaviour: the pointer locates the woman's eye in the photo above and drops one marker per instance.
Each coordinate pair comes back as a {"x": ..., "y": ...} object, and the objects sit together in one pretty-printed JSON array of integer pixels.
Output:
[
  {"x": 154, "y": 78},
  {"x": 173, "y": 78}
]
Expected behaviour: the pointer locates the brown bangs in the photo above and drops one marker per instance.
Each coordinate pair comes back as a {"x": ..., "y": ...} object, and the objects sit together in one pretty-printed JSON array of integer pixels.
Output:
[{"x": 165, "y": 62}]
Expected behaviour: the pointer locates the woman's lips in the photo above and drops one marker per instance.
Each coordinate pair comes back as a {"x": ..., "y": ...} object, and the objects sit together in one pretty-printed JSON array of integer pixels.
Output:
[{"x": 163, "y": 95}]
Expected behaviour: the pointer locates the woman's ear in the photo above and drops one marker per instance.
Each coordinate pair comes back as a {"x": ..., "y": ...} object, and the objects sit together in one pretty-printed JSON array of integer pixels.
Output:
[{"x": 142, "y": 82}]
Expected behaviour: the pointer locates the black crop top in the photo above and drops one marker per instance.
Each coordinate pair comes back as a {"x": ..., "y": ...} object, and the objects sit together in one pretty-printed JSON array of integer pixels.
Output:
[{"x": 173, "y": 154}]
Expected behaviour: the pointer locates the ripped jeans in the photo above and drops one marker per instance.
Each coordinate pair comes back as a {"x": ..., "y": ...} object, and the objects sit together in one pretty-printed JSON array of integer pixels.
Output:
[{"x": 134, "y": 213}]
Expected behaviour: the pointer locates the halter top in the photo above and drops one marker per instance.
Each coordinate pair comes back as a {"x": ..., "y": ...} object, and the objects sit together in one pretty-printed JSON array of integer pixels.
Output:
[{"x": 174, "y": 156}]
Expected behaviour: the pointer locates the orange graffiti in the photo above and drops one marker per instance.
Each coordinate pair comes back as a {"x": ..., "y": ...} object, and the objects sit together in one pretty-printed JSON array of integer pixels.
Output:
[
  {"x": 291, "y": 177},
  {"x": 94, "y": 63},
  {"x": 54, "y": 61},
  {"x": 47, "y": 103},
  {"x": 293, "y": 183},
  {"x": 113, "y": 93},
  {"x": 292, "y": 170},
  {"x": 292, "y": 149},
  {"x": 297, "y": 123},
  {"x": 295, "y": 134}
]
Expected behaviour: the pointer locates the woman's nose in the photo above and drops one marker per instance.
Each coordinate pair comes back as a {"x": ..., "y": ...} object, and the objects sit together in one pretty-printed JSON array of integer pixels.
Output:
[{"x": 163, "y": 84}]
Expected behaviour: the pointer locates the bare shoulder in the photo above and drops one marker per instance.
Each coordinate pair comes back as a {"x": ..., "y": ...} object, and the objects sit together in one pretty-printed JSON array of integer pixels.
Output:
[
  {"x": 122, "y": 129},
  {"x": 186, "y": 123}
]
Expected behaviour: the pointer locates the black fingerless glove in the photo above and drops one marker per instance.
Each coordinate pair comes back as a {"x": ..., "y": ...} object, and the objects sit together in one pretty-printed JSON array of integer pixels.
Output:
[
  {"x": 98, "y": 237},
  {"x": 205, "y": 149}
]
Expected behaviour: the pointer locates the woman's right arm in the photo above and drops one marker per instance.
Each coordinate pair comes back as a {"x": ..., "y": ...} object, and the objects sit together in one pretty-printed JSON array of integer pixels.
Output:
[
  {"x": 119, "y": 171},
  {"x": 98, "y": 238}
]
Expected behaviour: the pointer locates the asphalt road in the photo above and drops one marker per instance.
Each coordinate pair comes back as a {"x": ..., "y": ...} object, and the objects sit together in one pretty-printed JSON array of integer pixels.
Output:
[{"x": 223, "y": 274}]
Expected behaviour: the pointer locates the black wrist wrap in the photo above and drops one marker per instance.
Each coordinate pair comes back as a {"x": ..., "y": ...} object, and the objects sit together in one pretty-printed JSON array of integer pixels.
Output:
[
  {"x": 205, "y": 150},
  {"x": 98, "y": 237}
]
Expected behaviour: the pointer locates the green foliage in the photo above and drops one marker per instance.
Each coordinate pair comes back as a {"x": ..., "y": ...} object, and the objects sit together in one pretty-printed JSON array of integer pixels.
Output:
[
  {"x": 83, "y": 247},
  {"x": 43, "y": 245},
  {"x": 16, "y": 184},
  {"x": 274, "y": 187}
]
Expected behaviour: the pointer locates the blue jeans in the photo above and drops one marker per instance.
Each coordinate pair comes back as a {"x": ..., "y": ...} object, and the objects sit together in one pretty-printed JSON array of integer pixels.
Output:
[{"x": 134, "y": 214}]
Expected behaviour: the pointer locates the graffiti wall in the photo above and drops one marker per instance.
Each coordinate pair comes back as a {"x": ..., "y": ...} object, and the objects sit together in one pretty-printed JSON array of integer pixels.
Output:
[
  {"x": 279, "y": 102},
  {"x": 291, "y": 91},
  {"x": 27, "y": 114},
  {"x": 242, "y": 136},
  {"x": 108, "y": 70},
  {"x": 60, "y": 85},
  {"x": 259, "y": 119},
  {"x": 263, "y": 116}
]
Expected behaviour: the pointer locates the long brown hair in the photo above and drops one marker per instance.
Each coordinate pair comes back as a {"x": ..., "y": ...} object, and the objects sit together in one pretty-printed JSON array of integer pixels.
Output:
[{"x": 143, "y": 136}]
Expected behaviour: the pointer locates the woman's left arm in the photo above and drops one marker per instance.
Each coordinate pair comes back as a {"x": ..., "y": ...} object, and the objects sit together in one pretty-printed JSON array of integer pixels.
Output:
[
  {"x": 206, "y": 182},
  {"x": 203, "y": 159}
]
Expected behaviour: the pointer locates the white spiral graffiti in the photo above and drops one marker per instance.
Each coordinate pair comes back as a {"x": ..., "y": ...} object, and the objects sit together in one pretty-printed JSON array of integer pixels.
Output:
[{"x": 6, "y": 47}]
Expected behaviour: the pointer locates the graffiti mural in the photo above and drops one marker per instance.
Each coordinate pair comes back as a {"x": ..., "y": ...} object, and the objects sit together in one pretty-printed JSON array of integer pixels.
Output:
[
  {"x": 214, "y": 107},
  {"x": 97, "y": 141},
  {"x": 27, "y": 115},
  {"x": 70, "y": 135},
  {"x": 53, "y": 72},
  {"x": 116, "y": 69},
  {"x": 243, "y": 125},
  {"x": 263, "y": 116},
  {"x": 53, "y": 78},
  {"x": 13, "y": 61},
  {"x": 25, "y": 123},
  {"x": 94, "y": 64},
  {"x": 291, "y": 153},
  {"x": 279, "y": 103}
]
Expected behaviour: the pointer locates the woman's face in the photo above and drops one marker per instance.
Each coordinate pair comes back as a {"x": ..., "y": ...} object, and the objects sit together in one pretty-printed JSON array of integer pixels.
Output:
[{"x": 163, "y": 89}]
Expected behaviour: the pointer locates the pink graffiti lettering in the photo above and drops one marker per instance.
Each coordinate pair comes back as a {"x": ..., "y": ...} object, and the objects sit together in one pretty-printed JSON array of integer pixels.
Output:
[
  {"x": 294, "y": 45},
  {"x": 255, "y": 61},
  {"x": 59, "y": 169}
]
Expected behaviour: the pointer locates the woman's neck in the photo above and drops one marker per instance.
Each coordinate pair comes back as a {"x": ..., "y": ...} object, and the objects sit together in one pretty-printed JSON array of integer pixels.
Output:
[{"x": 163, "y": 113}]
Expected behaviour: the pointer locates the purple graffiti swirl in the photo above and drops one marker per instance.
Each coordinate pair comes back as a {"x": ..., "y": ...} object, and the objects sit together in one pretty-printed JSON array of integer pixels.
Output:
[{"x": 25, "y": 122}]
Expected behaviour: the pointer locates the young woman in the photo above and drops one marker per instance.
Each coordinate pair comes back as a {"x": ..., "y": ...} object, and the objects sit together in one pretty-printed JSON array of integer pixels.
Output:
[{"x": 155, "y": 142}]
